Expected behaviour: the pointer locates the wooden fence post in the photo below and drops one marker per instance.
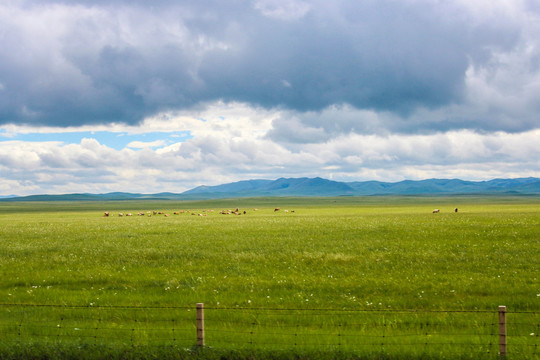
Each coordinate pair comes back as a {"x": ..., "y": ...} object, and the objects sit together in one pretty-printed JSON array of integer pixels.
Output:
[
  {"x": 502, "y": 331},
  {"x": 200, "y": 324}
]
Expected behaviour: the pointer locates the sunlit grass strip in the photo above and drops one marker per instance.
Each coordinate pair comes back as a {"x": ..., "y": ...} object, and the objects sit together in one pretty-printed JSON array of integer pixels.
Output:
[
  {"x": 348, "y": 330},
  {"x": 115, "y": 325}
]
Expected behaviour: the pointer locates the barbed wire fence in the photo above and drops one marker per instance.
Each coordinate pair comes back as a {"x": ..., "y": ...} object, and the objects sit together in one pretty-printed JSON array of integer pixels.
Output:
[{"x": 488, "y": 332}]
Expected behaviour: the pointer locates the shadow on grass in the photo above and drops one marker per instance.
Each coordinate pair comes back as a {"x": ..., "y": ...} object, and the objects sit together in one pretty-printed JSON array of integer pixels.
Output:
[{"x": 40, "y": 351}]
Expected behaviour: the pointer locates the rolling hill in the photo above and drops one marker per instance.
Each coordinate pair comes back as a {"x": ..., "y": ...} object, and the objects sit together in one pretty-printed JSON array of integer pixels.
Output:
[{"x": 317, "y": 187}]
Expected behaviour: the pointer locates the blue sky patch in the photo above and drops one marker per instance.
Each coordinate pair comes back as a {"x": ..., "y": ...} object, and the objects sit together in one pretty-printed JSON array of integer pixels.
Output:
[{"x": 115, "y": 140}]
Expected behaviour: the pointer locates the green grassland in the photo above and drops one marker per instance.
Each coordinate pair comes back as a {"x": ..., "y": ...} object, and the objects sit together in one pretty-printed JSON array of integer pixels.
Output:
[{"x": 351, "y": 267}]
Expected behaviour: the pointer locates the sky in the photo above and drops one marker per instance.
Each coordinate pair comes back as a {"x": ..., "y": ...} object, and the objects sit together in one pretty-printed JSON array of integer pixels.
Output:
[{"x": 137, "y": 96}]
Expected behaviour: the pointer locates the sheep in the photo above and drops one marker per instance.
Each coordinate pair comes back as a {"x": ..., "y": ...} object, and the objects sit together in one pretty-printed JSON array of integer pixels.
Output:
[{"x": 436, "y": 211}]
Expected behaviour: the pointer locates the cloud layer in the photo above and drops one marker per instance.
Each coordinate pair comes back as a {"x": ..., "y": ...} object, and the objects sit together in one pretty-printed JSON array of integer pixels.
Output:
[
  {"x": 232, "y": 142},
  {"x": 346, "y": 89},
  {"x": 67, "y": 63}
]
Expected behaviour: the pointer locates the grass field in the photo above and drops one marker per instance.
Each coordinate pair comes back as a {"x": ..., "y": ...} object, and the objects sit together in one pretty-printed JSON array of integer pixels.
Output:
[{"x": 340, "y": 274}]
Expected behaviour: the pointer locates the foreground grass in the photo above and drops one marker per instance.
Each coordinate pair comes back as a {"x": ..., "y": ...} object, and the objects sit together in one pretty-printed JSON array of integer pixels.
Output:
[{"x": 347, "y": 254}]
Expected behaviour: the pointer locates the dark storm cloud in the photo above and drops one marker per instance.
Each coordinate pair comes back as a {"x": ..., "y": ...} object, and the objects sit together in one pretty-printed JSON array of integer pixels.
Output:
[
  {"x": 369, "y": 56},
  {"x": 69, "y": 63}
]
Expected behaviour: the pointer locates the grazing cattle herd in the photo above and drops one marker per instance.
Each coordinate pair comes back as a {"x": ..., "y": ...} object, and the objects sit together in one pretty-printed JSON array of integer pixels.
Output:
[{"x": 237, "y": 211}]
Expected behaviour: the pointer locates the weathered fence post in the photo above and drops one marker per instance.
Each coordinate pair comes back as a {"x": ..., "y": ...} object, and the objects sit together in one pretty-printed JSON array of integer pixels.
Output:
[
  {"x": 502, "y": 331},
  {"x": 200, "y": 324}
]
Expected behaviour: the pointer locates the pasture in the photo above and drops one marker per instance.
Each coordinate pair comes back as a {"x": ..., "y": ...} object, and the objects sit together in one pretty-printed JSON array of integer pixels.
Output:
[{"x": 351, "y": 267}]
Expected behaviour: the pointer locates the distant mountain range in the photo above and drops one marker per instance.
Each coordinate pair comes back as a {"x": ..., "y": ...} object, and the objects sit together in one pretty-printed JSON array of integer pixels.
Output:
[
  {"x": 324, "y": 187},
  {"x": 316, "y": 187}
]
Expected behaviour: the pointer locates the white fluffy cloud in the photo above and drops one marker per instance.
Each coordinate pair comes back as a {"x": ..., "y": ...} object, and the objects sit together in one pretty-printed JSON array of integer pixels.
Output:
[
  {"x": 225, "y": 149},
  {"x": 282, "y": 9}
]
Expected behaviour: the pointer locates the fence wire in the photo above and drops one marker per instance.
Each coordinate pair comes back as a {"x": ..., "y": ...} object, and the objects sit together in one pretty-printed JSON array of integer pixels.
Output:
[{"x": 404, "y": 331}]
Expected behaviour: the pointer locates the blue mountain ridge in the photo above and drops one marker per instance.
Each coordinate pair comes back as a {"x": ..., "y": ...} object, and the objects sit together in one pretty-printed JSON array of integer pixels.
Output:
[{"x": 316, "y": 187}]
